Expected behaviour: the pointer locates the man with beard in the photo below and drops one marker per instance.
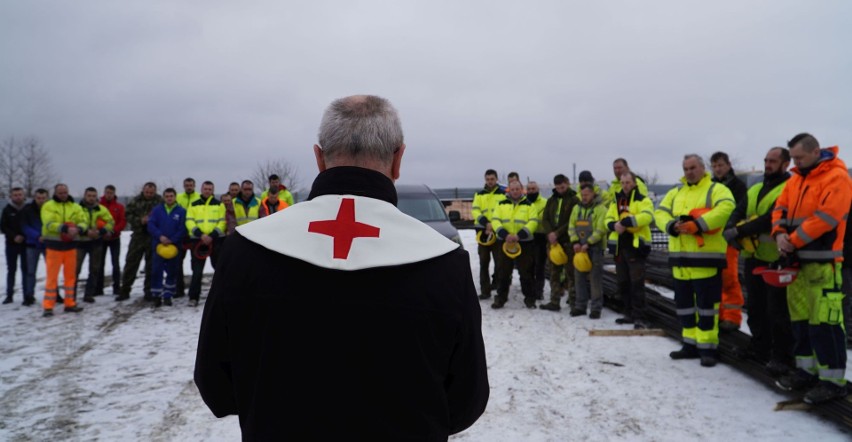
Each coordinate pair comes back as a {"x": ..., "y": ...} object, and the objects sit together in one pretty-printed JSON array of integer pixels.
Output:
[{"x": 768, "y": 317}]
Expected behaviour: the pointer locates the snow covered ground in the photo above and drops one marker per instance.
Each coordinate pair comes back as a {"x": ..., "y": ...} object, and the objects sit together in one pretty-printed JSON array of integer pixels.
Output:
[{"x": 123, "y": 371}]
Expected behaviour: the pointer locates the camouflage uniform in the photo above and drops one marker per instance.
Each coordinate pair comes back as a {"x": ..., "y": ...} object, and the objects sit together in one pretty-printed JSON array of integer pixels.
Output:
[
  {"x": 554, "y": 218},
  {"x": 140, "y": 243}
]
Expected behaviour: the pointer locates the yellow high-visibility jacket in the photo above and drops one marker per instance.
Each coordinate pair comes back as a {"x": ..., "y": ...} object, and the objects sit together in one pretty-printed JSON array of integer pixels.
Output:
[{"x": 689, "y": 260}]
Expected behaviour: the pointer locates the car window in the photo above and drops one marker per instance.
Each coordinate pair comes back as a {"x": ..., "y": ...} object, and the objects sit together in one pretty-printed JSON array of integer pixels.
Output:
[{"x": 425, "y": 208}]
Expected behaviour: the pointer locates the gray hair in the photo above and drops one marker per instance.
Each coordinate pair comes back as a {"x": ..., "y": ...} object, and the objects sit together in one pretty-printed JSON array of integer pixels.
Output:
[
  {"x": 360, "y": 127},
  {"x": 690, "y": 156}
]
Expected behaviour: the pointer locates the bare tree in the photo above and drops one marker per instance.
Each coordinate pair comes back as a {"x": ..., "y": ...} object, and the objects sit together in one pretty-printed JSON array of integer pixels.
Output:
[
  {"x": 285, "y": 170},
  {"x": 9, "y": 170},
  {"x": 36, "y": 170},
  {"x": 651, "y": 178}
]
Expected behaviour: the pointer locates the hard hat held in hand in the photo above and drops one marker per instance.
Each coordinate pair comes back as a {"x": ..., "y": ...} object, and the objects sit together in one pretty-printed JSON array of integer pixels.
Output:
[
  {"x": 697, "y": 213},
  {"x": 167, "y": 251},
  {"x": 582, "y": 262},
  {"x": 66, "y": 237},
  {"x": 485, "y": 240},
  {"x": 557, "y": 255},
  {"x": 512, "y": 250}
]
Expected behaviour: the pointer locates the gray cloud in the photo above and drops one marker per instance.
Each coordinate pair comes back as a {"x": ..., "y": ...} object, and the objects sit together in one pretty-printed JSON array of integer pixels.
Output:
[{"x": 125, "y": 93}]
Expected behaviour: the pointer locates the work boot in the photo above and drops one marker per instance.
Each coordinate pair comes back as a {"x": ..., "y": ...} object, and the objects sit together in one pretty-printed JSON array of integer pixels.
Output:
[
  {"x": 167, "y": 301},
  {"x": 625, "y": 320},
  {"x": 595, "y": 315},
  {"x": 8, "y": 300},
  {"x": 708, "y": 361},
  {"x": 122, "y": 297},
  {"x": 498, "y": 304},
  {"x": 158, "y": 302},
  {"x": 824, "y": 392},
  {"x": 798, "y": 380},
  {"x": 686, "y": 352},
  {"x": 577, "y": 312},
  {"x": 28, "y": 302},
  {"x": 530, "y": 302},
  {"x": 728, "y": 326},
  {"x": 193, "y": 303},
  {"x": 777, "y": 368},
  {"x": 485, "y": 296},
  {"x": 550, "y": 306},
  {"x": 88, "y": 298},
  {"x": 47, "y": 313},
  {"x": 74, "y": 309}
]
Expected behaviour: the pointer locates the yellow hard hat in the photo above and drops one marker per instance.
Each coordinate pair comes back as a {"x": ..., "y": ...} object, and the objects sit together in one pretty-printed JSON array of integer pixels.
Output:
[
  {"x": 490, "y": 239},
  {"x": 167, "y": 251},
  {"x": 582, "y": 262},
  {"x": 629, "y": 229},
  {"x": 748, "y": 243},
  {"x": 557, "y": 255},
  {"x": 512, "y": 250}
]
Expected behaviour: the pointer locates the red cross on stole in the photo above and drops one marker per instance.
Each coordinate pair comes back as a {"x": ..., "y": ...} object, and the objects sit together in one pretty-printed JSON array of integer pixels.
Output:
[{"x": 344, "y": 229}]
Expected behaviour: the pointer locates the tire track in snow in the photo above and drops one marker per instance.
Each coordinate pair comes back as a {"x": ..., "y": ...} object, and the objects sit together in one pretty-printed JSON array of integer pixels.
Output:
[{"x": 72, "y": 398}]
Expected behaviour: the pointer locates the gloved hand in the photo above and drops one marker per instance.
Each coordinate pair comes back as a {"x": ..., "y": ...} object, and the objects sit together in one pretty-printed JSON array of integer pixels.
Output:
[
  {"x": 672, "y": 230},
  {"x": 730, "y": 235},
  {"x": 689, "y": 227}
]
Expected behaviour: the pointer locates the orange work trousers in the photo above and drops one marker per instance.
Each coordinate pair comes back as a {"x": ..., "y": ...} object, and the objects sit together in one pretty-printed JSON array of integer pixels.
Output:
[
  {"x": 67, "y": 261},
  {"x": 731, "y": 308}
]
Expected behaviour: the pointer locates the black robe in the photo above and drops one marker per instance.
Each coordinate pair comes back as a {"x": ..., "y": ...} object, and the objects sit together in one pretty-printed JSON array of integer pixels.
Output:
[{"x": 301, "y": 351}]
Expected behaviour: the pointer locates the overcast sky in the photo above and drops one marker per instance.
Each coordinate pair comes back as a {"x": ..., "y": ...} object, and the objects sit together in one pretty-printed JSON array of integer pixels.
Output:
[{"x": 126, "y": 92}]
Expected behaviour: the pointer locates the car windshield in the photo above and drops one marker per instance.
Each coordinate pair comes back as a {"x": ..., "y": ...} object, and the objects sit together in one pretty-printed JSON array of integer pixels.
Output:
[{"x": 425, "y": 208}]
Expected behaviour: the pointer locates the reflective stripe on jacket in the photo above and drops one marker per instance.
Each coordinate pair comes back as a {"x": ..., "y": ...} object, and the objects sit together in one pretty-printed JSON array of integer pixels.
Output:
[{"x": 689, "y": 260}]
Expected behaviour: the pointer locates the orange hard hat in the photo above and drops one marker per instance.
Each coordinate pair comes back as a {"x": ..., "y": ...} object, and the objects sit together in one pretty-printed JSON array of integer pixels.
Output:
[{"x": 696, "y": 213}]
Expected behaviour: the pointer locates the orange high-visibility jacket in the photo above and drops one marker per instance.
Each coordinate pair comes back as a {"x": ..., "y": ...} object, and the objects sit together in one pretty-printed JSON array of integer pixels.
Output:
[{"x": 813, "y": 208}]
